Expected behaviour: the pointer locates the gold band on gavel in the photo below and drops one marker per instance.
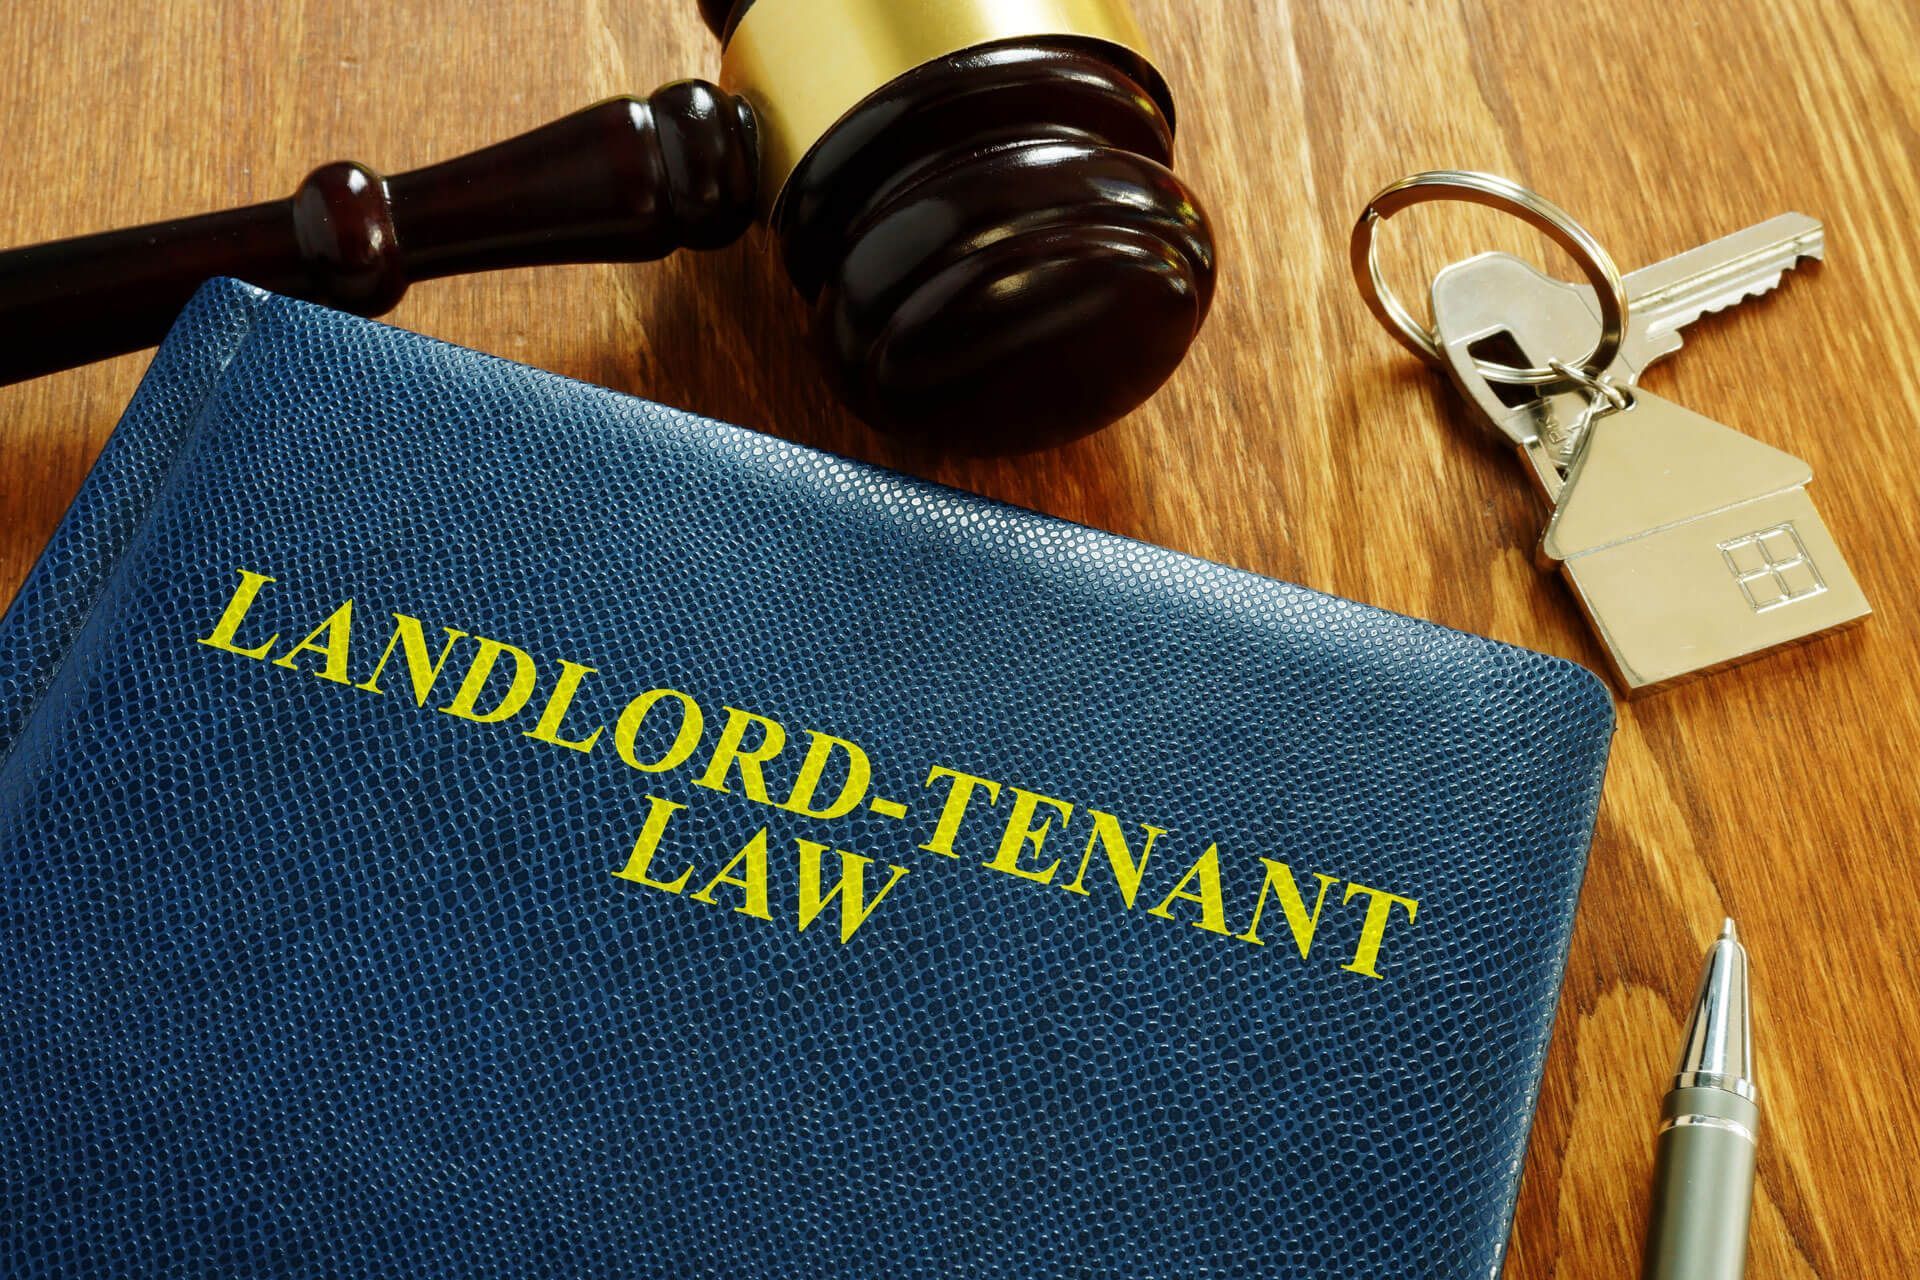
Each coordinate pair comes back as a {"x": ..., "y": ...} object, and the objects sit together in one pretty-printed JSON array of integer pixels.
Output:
[{"x": 803, "y": 64}]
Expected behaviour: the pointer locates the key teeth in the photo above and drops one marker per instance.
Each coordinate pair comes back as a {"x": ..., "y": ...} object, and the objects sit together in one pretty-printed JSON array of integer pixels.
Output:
[
  {"x": 1812, "y": 245},
  {"x": 1753, "y": 290}
]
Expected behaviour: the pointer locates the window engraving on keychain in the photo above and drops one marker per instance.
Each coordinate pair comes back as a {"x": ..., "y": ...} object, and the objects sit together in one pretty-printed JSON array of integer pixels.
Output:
[{"x": 1772, "y": 567}]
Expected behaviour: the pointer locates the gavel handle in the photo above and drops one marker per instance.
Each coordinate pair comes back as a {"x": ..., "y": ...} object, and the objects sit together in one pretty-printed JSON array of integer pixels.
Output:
[{"x": 625, "y": 180}]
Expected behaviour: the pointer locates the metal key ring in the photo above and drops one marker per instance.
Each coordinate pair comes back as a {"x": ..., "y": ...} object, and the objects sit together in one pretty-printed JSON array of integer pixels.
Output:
[{"x": 1509, "y": 197}]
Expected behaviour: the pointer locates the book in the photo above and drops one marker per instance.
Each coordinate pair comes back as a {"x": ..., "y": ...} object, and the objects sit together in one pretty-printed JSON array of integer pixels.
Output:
[{"x": 460, "y": 821}]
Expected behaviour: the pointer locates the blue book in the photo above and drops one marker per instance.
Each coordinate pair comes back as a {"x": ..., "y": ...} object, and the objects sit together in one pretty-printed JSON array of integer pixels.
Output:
[{"x": 461, "y": 822}]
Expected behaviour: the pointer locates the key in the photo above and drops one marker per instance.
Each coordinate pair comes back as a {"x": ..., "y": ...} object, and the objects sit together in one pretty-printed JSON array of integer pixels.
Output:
[
  {"x": 1688, "y": 545},
  {"x": 1482, "y": 305},
  {"x": 1665, "y": 297}
]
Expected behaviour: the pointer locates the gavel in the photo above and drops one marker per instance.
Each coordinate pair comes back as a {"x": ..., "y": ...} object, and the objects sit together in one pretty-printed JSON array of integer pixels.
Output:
[{"x": 974, "y": 197}]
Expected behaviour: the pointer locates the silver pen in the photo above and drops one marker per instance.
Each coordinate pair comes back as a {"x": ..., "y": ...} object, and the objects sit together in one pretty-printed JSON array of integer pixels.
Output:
[{"x": 1703, "y": 1166}]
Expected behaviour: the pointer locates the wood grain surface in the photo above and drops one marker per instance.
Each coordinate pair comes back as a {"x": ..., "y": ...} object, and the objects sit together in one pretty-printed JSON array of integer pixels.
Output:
[{"x": 1298, "y": 441}]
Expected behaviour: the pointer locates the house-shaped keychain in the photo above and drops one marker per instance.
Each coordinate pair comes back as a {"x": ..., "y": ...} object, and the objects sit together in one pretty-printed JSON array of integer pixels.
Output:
[{"x": 1691, "y": 546}]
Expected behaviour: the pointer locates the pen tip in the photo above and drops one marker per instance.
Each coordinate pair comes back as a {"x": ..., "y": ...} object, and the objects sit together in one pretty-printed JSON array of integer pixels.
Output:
[{"x": 1727, "y": 930}]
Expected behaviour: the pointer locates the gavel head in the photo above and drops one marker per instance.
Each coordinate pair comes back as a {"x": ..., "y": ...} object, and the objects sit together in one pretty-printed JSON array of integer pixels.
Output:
[{"x": 975, "y": 198}]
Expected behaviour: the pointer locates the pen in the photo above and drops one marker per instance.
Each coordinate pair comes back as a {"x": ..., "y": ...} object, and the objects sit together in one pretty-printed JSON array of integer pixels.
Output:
[{"x": 1703, "y": 1164}]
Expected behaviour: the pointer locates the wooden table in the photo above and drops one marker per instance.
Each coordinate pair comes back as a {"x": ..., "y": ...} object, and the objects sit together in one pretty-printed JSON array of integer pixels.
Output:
[{"x": 1298, "y": 441}]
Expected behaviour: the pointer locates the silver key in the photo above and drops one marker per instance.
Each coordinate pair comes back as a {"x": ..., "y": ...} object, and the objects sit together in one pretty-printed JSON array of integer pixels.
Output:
[
  {"x": 1688, "y": 545},
  {"x": 1669, "y": 295},
  {"x": 1477, "y": 301}
]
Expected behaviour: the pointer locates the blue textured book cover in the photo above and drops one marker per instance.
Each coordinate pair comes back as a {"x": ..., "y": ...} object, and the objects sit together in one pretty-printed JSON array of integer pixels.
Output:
[{"x": 464, "y": 822}]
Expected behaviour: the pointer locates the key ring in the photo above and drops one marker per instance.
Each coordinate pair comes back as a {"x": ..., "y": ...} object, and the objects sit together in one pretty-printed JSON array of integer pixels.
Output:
[
  {"x": 1601, "y": 388},
  {"x": 1537, "y": 212}
]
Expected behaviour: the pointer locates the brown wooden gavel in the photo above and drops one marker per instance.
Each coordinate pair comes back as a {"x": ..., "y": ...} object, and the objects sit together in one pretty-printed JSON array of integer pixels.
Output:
[{"x": 973, "y": 195}]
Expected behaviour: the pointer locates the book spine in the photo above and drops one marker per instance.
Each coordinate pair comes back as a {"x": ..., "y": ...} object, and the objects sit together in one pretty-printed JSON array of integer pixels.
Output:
[{"x": 68, "y": 578}]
